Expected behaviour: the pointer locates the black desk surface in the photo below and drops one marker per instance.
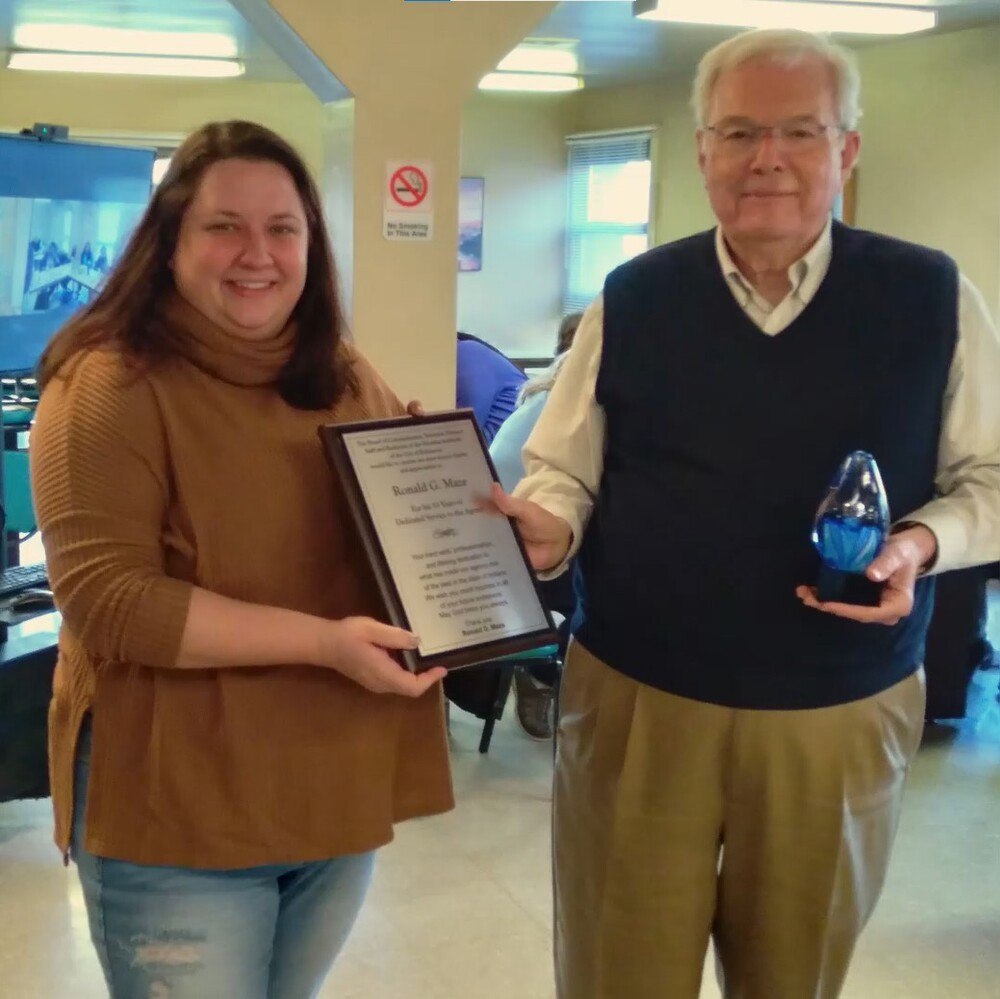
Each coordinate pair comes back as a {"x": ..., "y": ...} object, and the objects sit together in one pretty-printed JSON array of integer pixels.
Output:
[{"x": 27, "y": 661}]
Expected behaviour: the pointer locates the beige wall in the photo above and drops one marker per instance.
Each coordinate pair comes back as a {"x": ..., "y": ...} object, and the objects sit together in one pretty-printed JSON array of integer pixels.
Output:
[
  {"x": 516, "y": 143},
  {"x": 930, "y": 165},
  {"x": 337, "y": 183},
  {"x": 930, "y": 160},
  {"x": 410, "y": 67},
  {"x": 148, "y": 106}
]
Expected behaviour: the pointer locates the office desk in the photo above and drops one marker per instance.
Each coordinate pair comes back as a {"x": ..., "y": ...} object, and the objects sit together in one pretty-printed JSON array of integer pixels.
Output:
[{"x": 27, "y": 661}]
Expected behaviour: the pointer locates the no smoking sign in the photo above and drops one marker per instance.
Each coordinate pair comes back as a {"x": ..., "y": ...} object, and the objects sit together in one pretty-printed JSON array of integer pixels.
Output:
[
  {"x": 409, "y": 201},
  {"x": 408, "y": 187}
]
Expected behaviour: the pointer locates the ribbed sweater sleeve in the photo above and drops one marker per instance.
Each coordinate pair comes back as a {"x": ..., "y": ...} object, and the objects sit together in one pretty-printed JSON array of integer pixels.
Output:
[{"x": 100, "y": 482}]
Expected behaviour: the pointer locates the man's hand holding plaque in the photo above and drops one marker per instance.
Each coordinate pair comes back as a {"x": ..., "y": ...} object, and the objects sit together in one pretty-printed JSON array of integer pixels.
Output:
[{"x": 546, "y": 537}]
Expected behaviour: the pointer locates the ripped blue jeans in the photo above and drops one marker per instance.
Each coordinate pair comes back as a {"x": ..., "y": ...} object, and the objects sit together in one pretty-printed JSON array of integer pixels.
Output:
[{"x": 177, "y": 933}]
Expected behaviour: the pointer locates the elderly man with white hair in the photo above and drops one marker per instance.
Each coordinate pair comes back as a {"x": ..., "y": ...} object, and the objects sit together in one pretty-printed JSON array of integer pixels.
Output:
[{"x": 732, "y": 751}]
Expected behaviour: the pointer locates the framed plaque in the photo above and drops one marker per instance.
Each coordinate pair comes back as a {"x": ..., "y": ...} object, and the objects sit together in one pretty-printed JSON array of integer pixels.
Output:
[{"x": 455, "y": 576}]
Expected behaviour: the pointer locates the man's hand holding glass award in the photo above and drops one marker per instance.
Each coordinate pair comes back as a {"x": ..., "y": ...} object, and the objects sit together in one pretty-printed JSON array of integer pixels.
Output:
[{"x": 866, "y": 573}]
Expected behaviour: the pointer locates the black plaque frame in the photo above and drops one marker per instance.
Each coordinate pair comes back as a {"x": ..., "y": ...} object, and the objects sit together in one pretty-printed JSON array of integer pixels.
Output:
[{"x": 333, "y": 438}]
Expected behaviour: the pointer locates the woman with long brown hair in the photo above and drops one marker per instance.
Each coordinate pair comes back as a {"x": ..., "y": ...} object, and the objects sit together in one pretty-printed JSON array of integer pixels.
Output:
[{"x": 230, "y": 735}]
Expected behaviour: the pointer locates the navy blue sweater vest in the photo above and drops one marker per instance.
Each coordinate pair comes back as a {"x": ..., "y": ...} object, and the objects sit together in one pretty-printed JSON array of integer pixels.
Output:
[{"x": 721, "y": 441}]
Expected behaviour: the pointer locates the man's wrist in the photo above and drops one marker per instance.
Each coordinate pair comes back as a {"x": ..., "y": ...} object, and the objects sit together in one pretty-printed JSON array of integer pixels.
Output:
[
  {"x": 562, "y": 558},
  {"x": 922, "y": 538}
]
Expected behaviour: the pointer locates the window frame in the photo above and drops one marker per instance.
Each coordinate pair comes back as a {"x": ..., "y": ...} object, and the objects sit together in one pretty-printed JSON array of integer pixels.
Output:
[{"x": 584, "y": 151}]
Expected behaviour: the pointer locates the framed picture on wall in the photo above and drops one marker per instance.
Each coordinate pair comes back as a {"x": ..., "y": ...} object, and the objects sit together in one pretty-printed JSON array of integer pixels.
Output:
[{"x": 471, "y": 197}]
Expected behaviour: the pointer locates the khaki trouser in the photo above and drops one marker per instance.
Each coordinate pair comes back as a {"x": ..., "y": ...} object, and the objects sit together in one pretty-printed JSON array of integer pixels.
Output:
[{"x": 676, "y": 821}]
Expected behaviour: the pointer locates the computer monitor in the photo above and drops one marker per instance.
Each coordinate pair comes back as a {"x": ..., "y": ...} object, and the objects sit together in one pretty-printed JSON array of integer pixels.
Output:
[{"x": 67, "y": 210}]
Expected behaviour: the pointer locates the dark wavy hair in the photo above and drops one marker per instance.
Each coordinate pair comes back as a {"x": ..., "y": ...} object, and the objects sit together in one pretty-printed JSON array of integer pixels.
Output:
[{"x": 125, "y": 313}]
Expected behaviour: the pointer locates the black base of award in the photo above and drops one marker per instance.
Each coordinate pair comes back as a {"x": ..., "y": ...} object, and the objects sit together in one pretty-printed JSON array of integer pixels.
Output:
[{"x": 847, "y": 588}]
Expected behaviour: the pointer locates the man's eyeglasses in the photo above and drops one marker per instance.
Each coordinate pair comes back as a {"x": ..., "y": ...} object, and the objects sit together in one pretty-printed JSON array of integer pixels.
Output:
[{"x": 740, "y": 135}]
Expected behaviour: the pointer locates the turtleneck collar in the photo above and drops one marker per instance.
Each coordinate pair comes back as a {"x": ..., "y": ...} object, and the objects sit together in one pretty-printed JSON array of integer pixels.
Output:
[{"x": 230, "y": 358}]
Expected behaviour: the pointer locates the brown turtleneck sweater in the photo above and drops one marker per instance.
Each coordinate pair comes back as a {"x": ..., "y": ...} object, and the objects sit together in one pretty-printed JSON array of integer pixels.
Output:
[{"x": 195, "y": 472}]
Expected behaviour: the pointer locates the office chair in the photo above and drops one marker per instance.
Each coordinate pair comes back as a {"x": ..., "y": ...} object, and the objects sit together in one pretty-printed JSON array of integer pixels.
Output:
[
  {"x": 490, "y": 703},
  {"x": 504, "y": 668}
]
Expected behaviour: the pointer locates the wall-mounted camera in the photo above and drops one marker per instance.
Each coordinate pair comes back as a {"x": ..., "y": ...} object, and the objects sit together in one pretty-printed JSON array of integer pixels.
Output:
[{"x": 45, "y": 132}]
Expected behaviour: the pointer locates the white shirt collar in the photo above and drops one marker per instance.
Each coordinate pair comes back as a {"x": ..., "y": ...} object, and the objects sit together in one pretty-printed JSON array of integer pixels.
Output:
[{"x": 805, "y": 275}]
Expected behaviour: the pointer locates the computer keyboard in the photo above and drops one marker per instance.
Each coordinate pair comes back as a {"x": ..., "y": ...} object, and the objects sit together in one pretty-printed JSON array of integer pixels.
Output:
[{"x": 22, "y": 577}]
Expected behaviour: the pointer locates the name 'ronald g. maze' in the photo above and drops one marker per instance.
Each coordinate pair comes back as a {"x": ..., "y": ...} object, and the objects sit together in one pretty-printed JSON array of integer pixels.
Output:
[{"x": 429, "y": 486}]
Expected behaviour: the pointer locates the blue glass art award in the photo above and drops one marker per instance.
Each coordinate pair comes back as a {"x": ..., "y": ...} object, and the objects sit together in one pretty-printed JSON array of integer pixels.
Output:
[{"x": 851, "y": 526}]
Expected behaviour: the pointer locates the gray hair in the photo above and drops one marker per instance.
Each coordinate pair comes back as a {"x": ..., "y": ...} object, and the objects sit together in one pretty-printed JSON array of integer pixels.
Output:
[
  {"x": 786, "y": 47},
  {"x": 543, "y": 381}
]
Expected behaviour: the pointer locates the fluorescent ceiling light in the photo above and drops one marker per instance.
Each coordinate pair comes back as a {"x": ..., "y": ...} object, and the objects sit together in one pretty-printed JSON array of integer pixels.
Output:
[
  {"x": 540, "y": 59},
  {"x": 843, "y": 18},
  {"x": 127, "y": 41},
  {"x": 549, "y": 83},
  {"x": 75, "y": 62}
]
